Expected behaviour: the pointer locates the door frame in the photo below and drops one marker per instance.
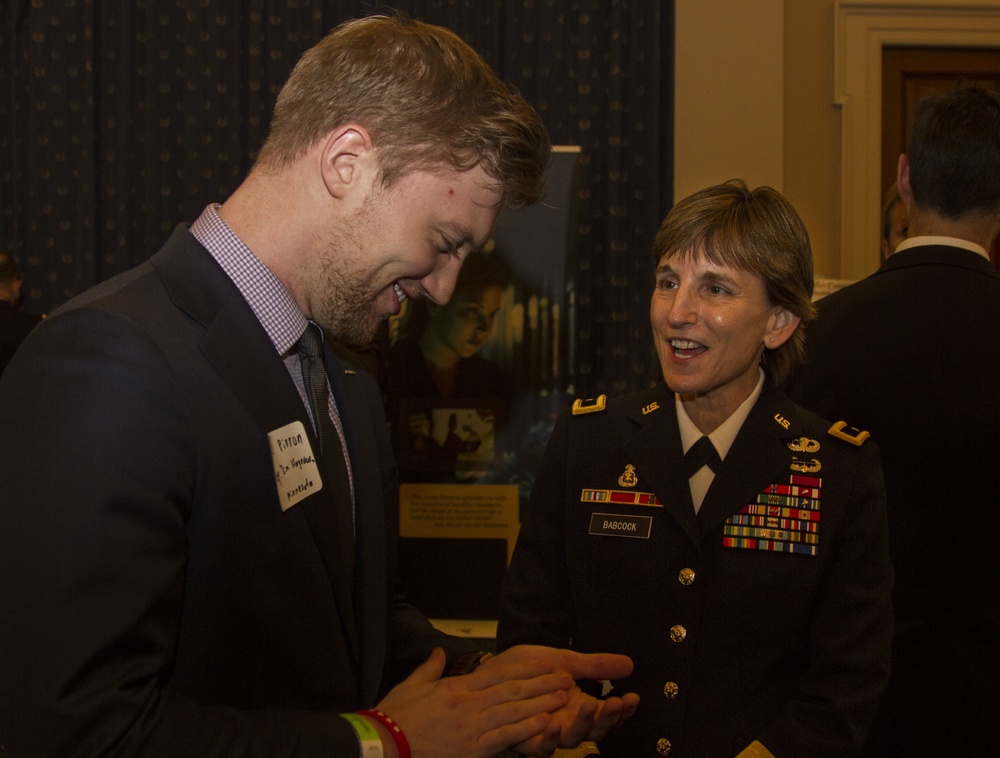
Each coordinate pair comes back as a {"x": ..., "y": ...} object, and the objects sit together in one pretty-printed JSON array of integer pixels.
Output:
[{"x": 861, "y": 30}]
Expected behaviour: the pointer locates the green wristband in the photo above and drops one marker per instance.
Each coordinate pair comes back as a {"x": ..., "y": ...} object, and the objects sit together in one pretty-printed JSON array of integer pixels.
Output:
[{"x": 371, "y": 743}]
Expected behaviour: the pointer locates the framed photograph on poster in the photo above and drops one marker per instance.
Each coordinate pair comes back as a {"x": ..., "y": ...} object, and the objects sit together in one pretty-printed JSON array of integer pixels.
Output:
[{"x": 442, "y": 441}]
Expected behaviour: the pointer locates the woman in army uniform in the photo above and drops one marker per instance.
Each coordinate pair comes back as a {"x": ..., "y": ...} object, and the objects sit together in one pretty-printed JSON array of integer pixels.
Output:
[{"x": 732, "y": 543}]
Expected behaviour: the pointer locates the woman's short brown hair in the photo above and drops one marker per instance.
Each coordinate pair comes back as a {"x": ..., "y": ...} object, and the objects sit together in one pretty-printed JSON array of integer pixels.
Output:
[
  {"x": 757, "y": 231},
  {"x": 425, "y": 96}
]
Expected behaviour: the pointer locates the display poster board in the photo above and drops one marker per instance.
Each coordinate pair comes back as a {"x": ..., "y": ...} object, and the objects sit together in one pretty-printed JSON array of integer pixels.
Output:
[{"x": 473, "y": 390}]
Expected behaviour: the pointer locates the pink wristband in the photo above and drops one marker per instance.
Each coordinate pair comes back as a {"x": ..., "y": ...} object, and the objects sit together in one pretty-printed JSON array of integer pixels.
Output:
[{"x": 402, "y": 746}]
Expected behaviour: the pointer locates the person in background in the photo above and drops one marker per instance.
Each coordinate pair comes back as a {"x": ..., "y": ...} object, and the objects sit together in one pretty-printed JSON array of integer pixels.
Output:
[
  {"x": 439, "y": 356},
  {"x": 15, "y": 325},
  {"x": 198, "y": 516},
  {"x": 437, "y": 362},
  {"x": 751, "y": 581},
  {"x": 911, "y": 352},
  {"x": 895, "y": 223}
]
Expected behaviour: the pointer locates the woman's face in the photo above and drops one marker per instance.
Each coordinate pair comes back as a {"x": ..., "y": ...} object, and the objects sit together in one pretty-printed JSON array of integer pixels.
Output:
[
  {"x": 465, "y": 323},
  {"x": 711, "y": 324}
]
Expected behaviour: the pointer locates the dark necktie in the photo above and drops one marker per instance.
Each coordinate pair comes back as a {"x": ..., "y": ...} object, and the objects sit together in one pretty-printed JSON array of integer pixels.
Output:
[
  {"x": 702, "y": 453},
  {"x": 332, "y": 462}
]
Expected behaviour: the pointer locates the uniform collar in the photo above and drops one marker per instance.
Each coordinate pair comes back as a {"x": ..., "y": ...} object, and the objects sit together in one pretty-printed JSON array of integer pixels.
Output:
[{"x": 722, "y": 437}]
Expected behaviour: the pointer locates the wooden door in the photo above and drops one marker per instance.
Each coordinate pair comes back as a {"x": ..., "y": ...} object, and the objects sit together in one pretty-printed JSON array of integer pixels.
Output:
[{"x": 911, "y": 73}]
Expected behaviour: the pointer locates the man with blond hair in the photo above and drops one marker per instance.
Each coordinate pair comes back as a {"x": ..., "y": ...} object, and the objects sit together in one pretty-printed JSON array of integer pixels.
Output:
[{"x": 199, "y": 502}]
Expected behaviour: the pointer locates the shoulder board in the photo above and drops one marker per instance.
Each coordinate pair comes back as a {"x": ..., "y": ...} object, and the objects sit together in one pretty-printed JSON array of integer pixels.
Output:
[
  {"x": 842, "y": 431},
  {"x": 591, "y": 405}
]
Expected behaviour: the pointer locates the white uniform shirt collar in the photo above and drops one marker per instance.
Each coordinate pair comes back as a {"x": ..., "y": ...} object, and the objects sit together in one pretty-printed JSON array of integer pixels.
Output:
[
  {"x": 723, "y": 437},
  {"x": 949, "y": 241}
]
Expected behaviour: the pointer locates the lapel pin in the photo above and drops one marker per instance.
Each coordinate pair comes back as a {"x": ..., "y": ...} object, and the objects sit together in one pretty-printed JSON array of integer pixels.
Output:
[
  {"x": 628, "y": 479},
  {"x": 806, "y": 467},
  {"x": 803, "y": 445}
]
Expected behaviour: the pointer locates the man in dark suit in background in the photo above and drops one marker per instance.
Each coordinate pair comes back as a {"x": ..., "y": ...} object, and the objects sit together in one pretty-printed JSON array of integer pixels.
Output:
[
  {"x": 14, "y": 325},
  {"x": 912, "y": 353},
  {"x": 197, "y": 522}
]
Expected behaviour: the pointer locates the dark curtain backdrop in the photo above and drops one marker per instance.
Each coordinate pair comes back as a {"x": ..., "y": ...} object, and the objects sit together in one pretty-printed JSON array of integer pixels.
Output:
[{"x": 120, "y": 120}]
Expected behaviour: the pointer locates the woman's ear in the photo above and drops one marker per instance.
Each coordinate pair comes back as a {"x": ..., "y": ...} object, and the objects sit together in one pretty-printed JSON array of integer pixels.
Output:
[{"x": 780, "y": 327}]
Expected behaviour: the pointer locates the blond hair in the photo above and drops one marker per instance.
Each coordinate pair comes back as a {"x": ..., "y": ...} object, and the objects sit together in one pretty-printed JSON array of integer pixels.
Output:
[{"x": 427, "y": 99}]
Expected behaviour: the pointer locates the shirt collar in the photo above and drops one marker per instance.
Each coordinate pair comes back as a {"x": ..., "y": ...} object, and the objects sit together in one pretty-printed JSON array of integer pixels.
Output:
[
  {"x": 267, "y": 297},
  {"x": 723, "y": 436},
  {"x": 949, "y": 241}
]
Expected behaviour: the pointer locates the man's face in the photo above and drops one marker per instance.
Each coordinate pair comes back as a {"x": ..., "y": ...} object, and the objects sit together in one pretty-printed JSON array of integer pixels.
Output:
[
  {"x": 710, "y": 324},
  {"x": 409, "y": 240}
]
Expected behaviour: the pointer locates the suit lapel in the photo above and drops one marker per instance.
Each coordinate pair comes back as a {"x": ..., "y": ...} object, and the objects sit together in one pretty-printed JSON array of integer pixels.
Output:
[
  {"x": 234, "y": 343},
  {"x": 240, "y": 351},
  {"x": 757, "y": 458},
  {"x": 655, "y": 451},
  {"x": 370, "y": 589}
]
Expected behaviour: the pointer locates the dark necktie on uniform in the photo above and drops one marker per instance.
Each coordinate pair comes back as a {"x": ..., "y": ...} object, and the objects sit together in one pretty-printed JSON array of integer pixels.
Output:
[
  {"x": 332, "y": 462},
  {"x": 701, "y": 453}
]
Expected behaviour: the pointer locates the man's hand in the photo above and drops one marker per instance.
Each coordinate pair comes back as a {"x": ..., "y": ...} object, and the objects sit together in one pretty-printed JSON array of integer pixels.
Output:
[{"x": 480, "y": 714}]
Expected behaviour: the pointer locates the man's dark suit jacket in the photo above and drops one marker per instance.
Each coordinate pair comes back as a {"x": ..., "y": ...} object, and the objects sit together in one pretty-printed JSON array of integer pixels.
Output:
[
  {"x": 156, "y": 600},
  {"x": 912, "y": 353},
  {"x": 731, "y": 643},
  {"x": 14, "y": 327}
]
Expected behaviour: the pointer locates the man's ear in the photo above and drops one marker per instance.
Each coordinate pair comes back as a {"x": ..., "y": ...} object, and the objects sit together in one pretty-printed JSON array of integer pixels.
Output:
[
  {"x": 903, "y": 180},
  {"x": 347, "y": 159}
]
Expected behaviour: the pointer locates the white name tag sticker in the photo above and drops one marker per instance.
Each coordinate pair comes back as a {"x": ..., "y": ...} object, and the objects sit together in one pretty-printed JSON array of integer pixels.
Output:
[{"x": 296, "y": 472}]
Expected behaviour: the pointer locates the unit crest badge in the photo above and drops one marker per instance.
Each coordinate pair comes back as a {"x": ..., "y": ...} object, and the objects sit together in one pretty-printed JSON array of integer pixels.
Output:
[{"x": 628, "y": 479}]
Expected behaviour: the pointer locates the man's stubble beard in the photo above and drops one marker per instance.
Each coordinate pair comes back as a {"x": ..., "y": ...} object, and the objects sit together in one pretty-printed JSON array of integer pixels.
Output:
[
  {"x": 349, "y": 315},
  {"x": 347, "y": 309}
]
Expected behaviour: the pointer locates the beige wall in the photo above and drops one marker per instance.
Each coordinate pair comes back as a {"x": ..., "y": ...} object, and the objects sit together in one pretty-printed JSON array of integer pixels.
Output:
[
  {"x": 754, "y": 100},
  {"x": 813, "y": 130},
  {"x": 788, "y": 93},
  {"x": 728, "y": 93}
]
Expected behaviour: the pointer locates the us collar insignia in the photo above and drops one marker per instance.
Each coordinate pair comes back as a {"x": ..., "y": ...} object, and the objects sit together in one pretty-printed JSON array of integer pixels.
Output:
[{"x": 628, "y": 479}]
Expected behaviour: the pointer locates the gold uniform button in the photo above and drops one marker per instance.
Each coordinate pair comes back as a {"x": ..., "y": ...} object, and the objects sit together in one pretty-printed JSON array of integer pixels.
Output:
[
  {"x": 686, "y": 576},
  {"x": 663, "y": 746},
  {"x": 678, "y": 633},
  {"x": 670, "y": 689}
]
